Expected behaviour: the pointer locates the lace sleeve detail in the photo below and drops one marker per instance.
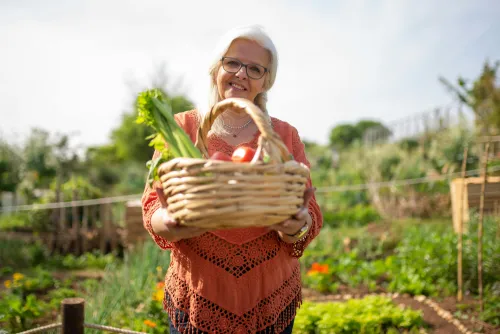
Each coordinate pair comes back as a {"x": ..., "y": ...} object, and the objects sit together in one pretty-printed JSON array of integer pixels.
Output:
[
  {"x": 150, "y": 202},
  {"x": 297, "y": 248}
]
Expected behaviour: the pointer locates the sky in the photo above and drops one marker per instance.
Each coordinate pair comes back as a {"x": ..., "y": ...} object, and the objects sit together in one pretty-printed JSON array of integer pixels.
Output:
[{"x": 74, "y": 67}]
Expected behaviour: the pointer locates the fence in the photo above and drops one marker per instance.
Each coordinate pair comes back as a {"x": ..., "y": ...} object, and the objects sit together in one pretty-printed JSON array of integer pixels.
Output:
[
  {"x": 73, "y": 227},
  {"x": 416, "y": 125},
  {"x": 73, "y": 321}
]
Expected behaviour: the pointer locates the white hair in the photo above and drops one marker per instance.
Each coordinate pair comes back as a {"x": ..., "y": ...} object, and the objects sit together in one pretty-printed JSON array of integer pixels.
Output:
[{"x": 253, "y": 33}]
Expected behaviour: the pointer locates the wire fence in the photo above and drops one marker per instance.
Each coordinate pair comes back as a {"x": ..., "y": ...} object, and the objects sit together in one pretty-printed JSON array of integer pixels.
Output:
[
  {"x": 415, "y": 125},
  {"x": 331, "y": 189}
]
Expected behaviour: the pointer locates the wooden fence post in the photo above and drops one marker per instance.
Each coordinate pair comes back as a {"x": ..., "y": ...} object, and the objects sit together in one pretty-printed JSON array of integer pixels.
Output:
[
  {"x": 105, "y": 217},
  {"x": 75, "y": 225},
  {"x": 461, "y": 226},
  {"x": 73, "y": 315},
  {"x": 85, "y": 228},
  {"x": 480, "y": 229}
]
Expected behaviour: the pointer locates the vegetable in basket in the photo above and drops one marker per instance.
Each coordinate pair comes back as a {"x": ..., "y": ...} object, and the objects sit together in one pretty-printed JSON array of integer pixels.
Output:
[
  {"x": 243, "y": 154},
  {"x": 154, "y": 109}
]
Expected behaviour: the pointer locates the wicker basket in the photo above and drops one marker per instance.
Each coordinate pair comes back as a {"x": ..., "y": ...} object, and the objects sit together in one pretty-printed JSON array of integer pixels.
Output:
[{"x": 223, "y": 194}]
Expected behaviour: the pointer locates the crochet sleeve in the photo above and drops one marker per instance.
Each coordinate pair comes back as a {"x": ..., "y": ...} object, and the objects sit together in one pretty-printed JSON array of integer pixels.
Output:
[
  {"x": 296, "y": 249},
  {"x": 150, "y": 201}
]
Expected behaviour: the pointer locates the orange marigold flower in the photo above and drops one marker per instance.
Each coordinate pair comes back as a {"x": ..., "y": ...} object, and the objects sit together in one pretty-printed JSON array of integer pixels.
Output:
[
  {"x": 318, "y": 268},
  {"x": 149, "y": 323},
  {"x": 323, "y": 269},
  {"x": 160, "y": 285},
  {"x": 7, "y": 284},
  {"x": 315, "y": 266}
]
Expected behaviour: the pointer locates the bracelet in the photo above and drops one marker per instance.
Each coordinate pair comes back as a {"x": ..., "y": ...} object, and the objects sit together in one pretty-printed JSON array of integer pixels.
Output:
[{"x": 303, "y": 230}]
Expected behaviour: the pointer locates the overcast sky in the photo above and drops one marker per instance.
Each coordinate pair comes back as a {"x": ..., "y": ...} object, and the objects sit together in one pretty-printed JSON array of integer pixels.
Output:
[{"x": 65, "y": 65}]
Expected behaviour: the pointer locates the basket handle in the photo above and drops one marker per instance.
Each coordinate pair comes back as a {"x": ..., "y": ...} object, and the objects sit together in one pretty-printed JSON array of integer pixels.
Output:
[{"x": 269, "y": 141}]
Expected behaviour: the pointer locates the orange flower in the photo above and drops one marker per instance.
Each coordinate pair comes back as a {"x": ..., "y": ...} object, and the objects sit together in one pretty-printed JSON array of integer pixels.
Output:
[
  {"x": 149, "y": 323},
  {"x": 160, "y": 285},
  {"x": 318, "y": 268},
  {"x": 323, "y": 269},
  {"x": 315, "y": 266}
]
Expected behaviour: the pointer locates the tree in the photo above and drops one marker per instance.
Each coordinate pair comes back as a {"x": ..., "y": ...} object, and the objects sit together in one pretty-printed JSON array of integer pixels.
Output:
[
  {"x": 10, "y": 167},
  {"x": 482, "y": 96},
  {"x": 376, "y": 130},
  {"x": 129, "y": 137},
  {"x": 39, "y": 158},
  {"x": 344, "y": 135},
  {"x": 120, "y": 166},
  {"x": 45, "y": 158}
]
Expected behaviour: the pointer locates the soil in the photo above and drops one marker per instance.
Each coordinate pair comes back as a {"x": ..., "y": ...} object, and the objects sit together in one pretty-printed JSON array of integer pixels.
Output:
[{"x": 435, "y": 323}]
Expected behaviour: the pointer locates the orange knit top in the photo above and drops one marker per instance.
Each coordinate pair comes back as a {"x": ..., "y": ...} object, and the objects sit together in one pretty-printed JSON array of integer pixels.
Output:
[{"x": 238, "y": 280}]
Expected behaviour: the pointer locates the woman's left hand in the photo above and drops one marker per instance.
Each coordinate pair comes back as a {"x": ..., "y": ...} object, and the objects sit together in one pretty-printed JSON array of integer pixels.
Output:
[{"x": 290, "y": 227}]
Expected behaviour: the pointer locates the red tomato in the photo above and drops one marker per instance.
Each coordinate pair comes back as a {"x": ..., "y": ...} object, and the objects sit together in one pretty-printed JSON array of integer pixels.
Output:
[
  {"x": 220, "y": 156},
  {"x": 243, "y": 154}
]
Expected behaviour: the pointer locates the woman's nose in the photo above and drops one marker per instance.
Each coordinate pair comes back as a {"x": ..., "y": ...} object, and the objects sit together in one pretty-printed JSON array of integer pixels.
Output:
[{"x": 242, "y": 73}]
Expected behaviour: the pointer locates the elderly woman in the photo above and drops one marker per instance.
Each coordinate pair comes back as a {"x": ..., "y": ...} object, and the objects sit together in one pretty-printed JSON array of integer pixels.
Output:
[{"x": 237, "y": 280}]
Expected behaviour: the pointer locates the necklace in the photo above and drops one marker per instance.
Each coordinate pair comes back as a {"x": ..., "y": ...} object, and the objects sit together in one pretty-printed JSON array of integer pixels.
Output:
[{"x": 241, "y": 128}]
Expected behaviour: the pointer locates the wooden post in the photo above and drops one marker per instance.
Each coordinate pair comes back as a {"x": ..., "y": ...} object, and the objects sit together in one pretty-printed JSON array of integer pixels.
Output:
[
  {"x": 112, "y": 229},
  {"x": 105, "y": 214},
  {"x": 75, "y": 228},
  {"x": 480, "y": 230},
  {"x": 73, "y": 315},
  {"x": 59, "y": 216},
  {"x": 461, "y": 226},
  {"x": 85, "y": 228},
  {"x": 497, "y": 214}
]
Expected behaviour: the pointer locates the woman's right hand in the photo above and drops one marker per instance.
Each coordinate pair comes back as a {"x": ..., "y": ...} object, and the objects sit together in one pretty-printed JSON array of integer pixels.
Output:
[{"x": 166, "y": 227}]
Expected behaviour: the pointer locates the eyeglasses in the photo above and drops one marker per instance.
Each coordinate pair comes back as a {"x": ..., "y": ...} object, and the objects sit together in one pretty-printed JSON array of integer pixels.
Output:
[{"x": 233, "y": 65}]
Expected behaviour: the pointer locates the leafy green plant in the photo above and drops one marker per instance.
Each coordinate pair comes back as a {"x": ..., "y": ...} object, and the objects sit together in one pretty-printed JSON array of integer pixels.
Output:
[
  {"x": 18, "y": 254},
  {"x": 88, "y": 260},
  {"x": 356, "y": 216},
  {"x": 423, "y": 262},
  {"x": 18, "y": 313},
  {"x": 58, "y": 295},
  {"x": 368, "y": 315},
  {"x": 40, "y": 281}
]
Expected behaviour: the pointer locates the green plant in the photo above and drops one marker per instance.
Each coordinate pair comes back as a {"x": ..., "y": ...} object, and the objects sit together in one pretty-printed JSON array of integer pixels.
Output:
[
  {"x": 19, "y": 313},
  {"x": 491, "y": 312},
  {"x": 129, "y": 305},
  {"x": 423, "y": 262},
  {"x": 56, "y": 296},
  {"x": 367, "y": 315},
  {"x": 355, "y": 216},
  {"x": 18, "y": 254},
  {"x": 87, "y": 260},
  {"x": 40, "y": 281}
]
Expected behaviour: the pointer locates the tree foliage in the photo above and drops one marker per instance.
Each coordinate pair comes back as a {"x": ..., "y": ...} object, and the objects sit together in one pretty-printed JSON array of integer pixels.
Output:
[
  {"x": 10, "y": 167},
  {"x": 482, "y": 96},
  {"x": 344, "y": 135}
]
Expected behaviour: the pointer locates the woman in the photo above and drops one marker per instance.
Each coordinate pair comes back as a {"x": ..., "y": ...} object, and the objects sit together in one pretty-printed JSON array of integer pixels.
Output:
[{"x": 239, "y": 280}]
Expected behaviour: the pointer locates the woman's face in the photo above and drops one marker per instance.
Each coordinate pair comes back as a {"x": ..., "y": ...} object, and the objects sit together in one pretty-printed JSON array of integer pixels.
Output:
[{"x": 239, "y": 84}]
